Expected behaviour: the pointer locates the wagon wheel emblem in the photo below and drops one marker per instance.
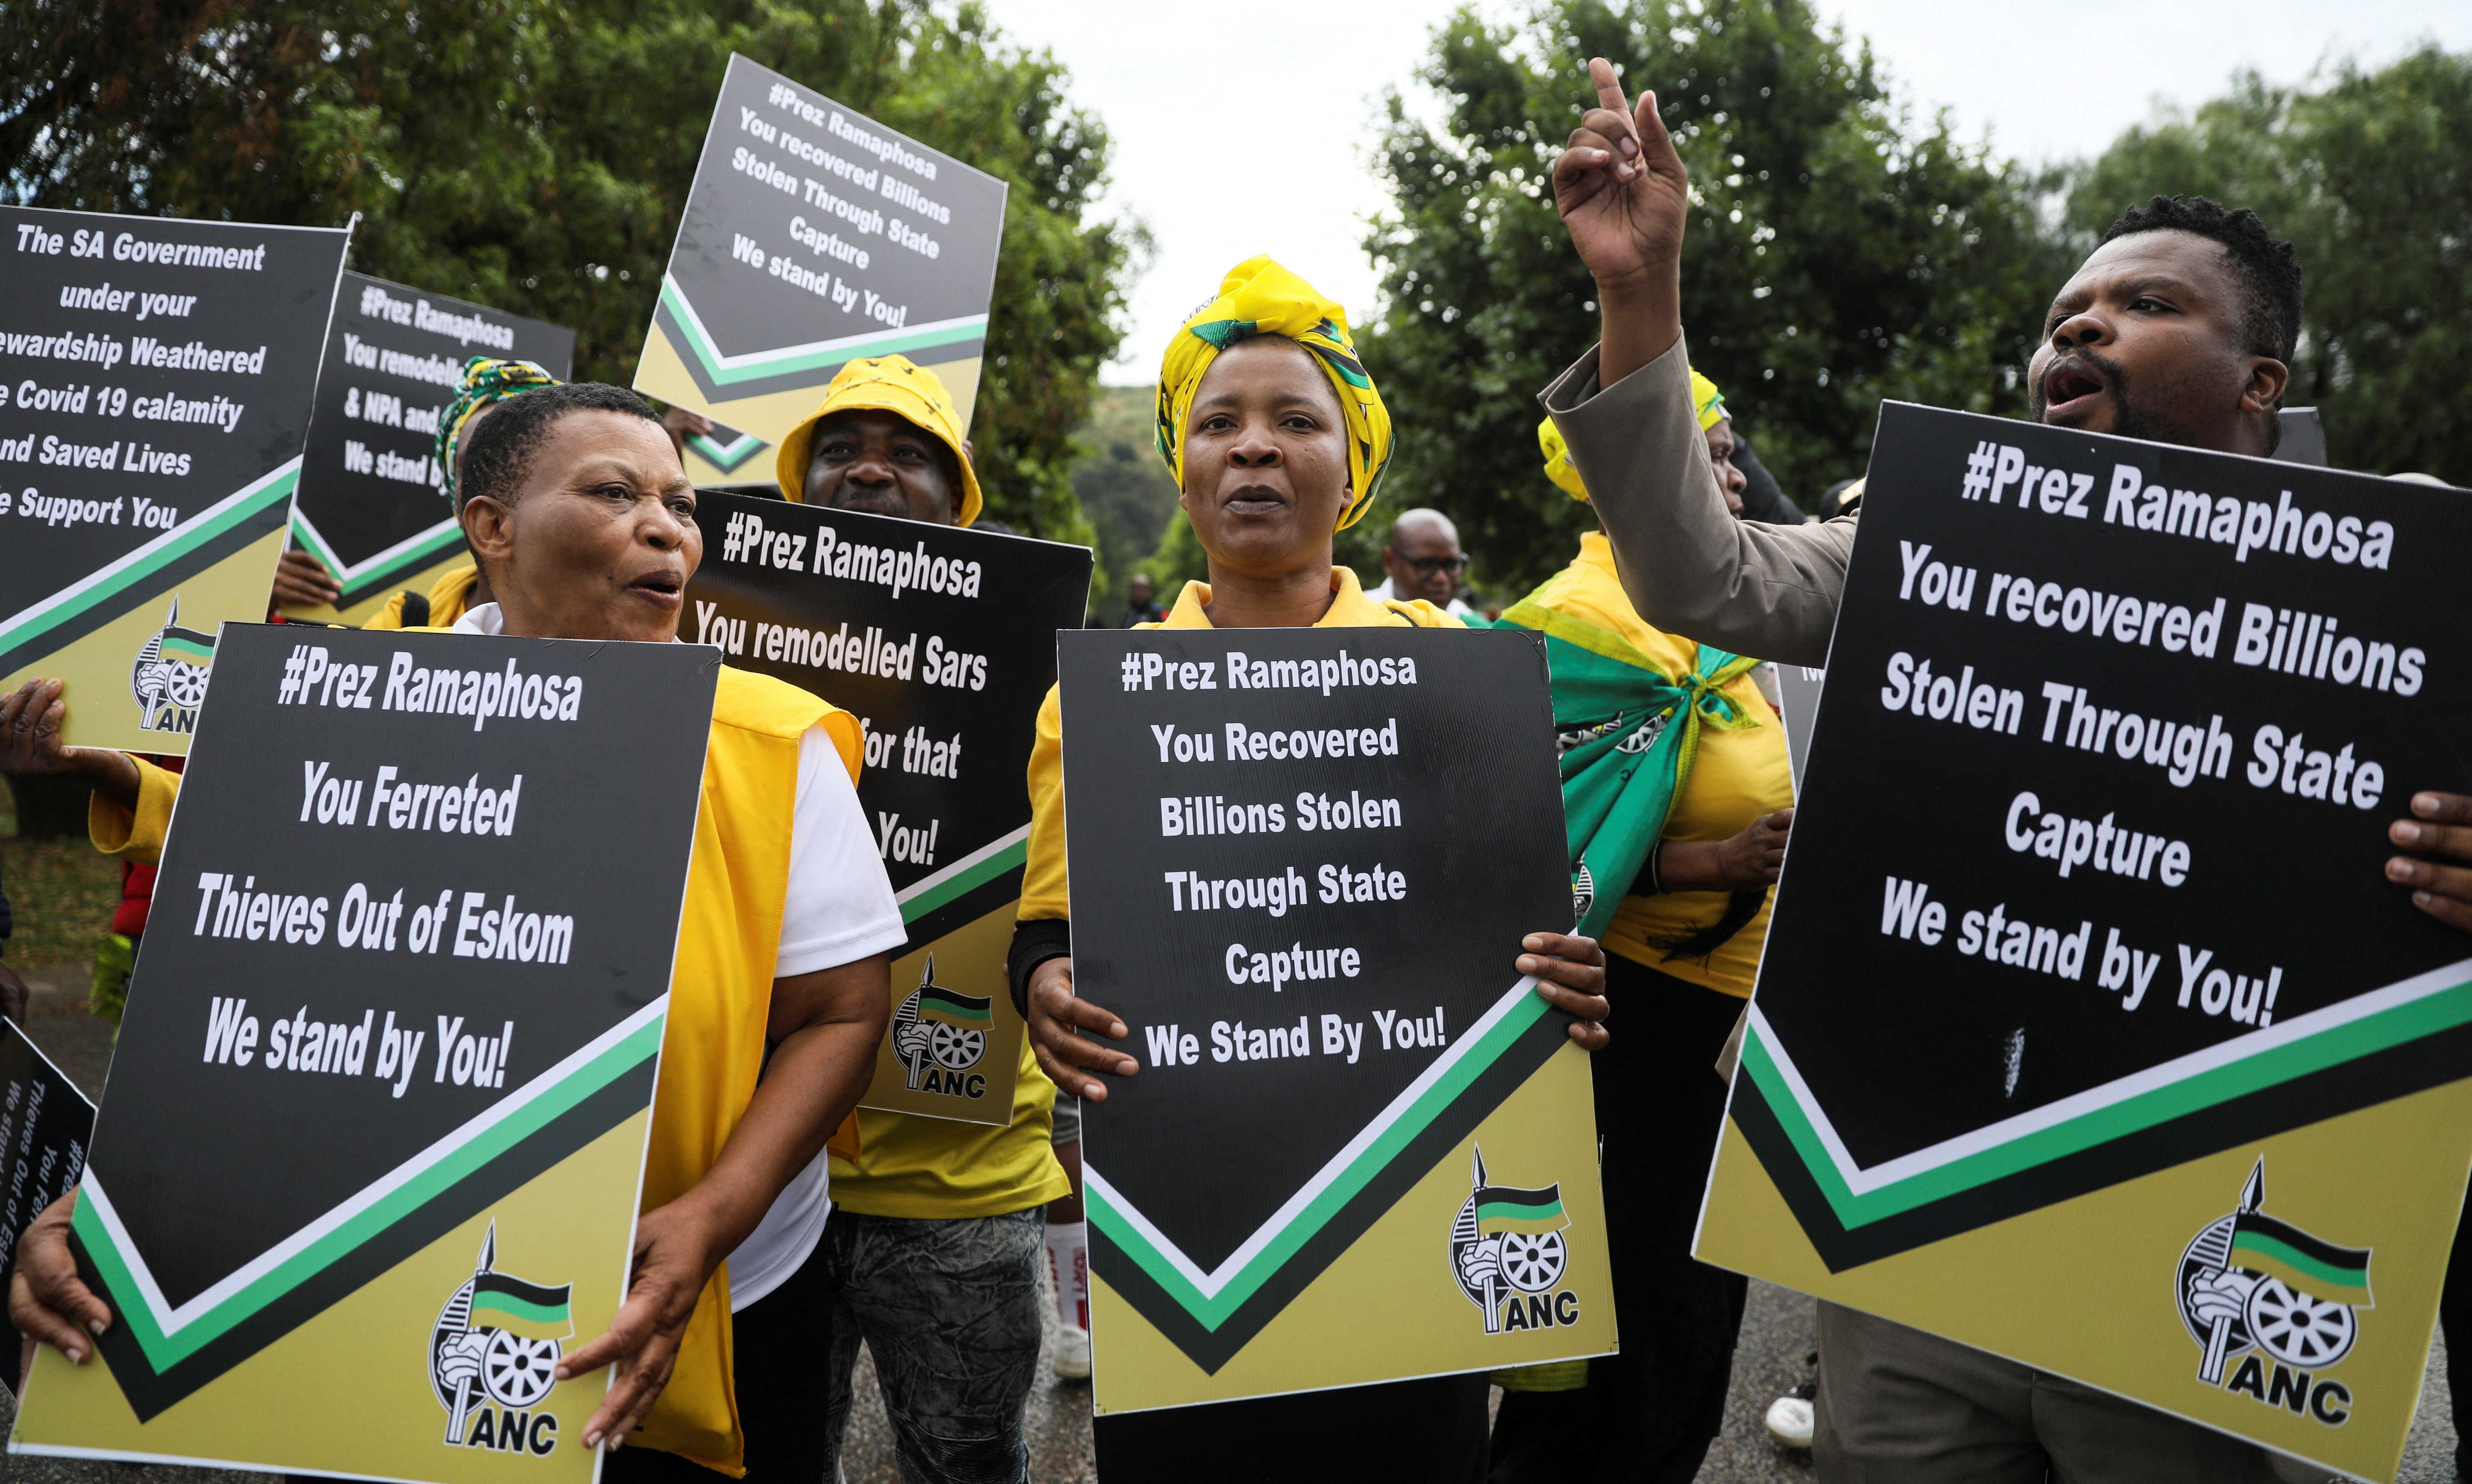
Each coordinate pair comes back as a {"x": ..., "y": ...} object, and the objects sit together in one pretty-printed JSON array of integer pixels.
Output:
[
  {"x": 1533, "y": 1262},
  {"x": 2297, "y": 1328},
  {"x": 952, "y": 1047},
  {"x": 519, "y": 1372}
]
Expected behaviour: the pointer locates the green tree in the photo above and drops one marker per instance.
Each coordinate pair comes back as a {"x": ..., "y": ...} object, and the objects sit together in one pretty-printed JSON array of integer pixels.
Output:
[
  {"x": 536, "y": 154},
  {"x": 1841, "y": 253},
  {"x": 2369, "y": 173},
  {"x": 1125, "y": 488}
]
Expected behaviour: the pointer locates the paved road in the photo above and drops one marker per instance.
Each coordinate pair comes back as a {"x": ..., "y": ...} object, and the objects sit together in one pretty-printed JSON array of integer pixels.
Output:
[{"x": 1777, "y": 1335}]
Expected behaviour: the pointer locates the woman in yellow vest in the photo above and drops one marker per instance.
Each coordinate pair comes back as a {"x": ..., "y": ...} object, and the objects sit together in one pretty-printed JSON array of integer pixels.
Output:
[
  {"x": 1276, "y": 436},
  {"x": 580, "y": 511},
  {"x": 1703, "y": 822}
]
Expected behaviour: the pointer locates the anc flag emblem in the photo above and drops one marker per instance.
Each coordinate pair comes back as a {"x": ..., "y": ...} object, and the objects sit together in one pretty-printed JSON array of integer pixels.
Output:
[
  {"x": 534, "y": 1310},
  {"x": 1502, "y": 1208},
  {"x": 2278, "y": 1249},
  {"x": 953, "y": 1009}
]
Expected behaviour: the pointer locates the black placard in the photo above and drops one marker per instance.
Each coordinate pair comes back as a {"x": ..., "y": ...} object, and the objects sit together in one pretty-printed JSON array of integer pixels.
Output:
[
  {"x": 2172, "y": 701},
  {"x": 574, "y": 769},
  {"x": 46, "y": 1126},
  {"x": 157, "y": 376},
  {"x": 1421, "y": 763},
  {"x": 813, "y": 236},
  {"x": 939, "y": 640},
  {"x": 372, "y": 502}
]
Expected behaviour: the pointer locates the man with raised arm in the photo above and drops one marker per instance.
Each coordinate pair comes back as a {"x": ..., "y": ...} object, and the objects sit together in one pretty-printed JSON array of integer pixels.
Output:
[{"x": 2178, "y": 328}]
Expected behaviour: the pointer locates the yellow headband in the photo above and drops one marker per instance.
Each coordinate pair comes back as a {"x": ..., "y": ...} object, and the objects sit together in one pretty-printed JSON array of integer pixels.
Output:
[
  {"x": 1557, "y": 460},
  {"x": 1260, "y": 297},
  {"x": 891, "y": 383},
  {"x": 1707, "y": 402}
]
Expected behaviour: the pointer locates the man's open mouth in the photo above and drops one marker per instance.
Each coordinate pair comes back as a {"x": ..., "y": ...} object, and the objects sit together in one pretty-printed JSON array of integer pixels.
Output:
[{"x": 2070, "y": 389}]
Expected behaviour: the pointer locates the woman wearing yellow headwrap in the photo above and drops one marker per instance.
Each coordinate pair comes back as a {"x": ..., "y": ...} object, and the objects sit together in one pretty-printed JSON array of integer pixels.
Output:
[
  {"x": 486, "y": 380},
  {"x": 1679, "y": 799},
  {"x": 1277, "y": 436}
]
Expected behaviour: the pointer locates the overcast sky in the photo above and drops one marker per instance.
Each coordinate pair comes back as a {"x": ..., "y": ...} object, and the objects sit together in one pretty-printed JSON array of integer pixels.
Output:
[{"x": 1236, "y": 136}]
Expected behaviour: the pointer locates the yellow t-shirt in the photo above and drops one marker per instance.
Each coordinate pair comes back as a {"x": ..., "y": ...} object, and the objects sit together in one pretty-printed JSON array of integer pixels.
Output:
[
  {"x": 1042, "y": 883},
  {"x": 448, "y": 597},
  {"x": 1737, "y": 777},
  {"x": 940, "y": 1169}
]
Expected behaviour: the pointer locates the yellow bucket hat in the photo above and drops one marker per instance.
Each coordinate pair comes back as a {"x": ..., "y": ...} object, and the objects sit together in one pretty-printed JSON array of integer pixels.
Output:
[
  {"x": 892, "y": 383},
  {"x": 1260, "y": 297}
]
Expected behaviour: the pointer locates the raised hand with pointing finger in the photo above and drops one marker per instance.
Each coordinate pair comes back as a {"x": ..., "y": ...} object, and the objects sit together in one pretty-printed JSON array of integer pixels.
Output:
[{"x": 1624, "y": 195}]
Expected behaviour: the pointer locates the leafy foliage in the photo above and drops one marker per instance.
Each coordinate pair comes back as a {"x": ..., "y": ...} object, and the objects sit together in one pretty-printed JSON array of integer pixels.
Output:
[
  {"x": 536, "y": 154},
  {"x": 1839, "y": 254},
  {"x": 2370, "y": 176}
]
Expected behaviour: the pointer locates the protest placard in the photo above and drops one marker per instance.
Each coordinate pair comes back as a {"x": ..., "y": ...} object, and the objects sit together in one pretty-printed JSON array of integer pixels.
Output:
[
  {"x": 1359, "y": 1148},
  {"x": 371, "y": 503},
  {"x": 2090, "y": 1031},
  {"x": 46, "y": 1126},
  {"x": 159, "y": 373},
  {"x": 726, "y": 455},
  {"x": 941, "y": 642},
  {"x": 815, "y": 236},
  {"x": 368, "y": 1159}
]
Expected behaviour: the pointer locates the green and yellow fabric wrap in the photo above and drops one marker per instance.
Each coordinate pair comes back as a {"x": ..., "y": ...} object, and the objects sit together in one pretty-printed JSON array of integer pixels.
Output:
[
  {"x": 1628, "y": 735},
  {"x": 1260, "y": 297}
]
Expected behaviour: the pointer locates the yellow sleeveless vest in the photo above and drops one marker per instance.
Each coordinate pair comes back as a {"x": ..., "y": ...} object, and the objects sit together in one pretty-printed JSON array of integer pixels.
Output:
[{"x": 720, "y": 995}]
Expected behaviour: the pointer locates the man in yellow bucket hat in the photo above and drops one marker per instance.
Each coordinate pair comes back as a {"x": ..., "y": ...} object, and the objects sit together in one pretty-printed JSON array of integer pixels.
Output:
[
  {"x": 886, "y": 440},
  {"x": 937, "y": 1231}
]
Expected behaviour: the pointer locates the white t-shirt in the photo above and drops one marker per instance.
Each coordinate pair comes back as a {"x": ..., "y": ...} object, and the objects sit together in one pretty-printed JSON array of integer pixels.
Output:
[
  {"x": 840, "y": 908},
  {"x": 1384, "y": 594}
]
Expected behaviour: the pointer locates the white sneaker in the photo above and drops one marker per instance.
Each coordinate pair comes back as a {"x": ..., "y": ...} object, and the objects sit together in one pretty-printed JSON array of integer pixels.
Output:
[
  {"x": 1790, "y": 1421},
  {"x": 1073, "y": 1354}
]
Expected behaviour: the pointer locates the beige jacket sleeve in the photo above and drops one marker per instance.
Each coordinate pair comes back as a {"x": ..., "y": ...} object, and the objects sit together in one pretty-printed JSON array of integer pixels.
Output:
[{"x": 1690, "y": 568}]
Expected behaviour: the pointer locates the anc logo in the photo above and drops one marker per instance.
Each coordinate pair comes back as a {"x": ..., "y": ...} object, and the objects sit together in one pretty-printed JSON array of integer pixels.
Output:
[
  {"x": 1507, "y": 1253},
  {"x": 939, "y": 1036},
  {"x": 498, "y": 1340},
  {"x": 2269, "y": 1293},
  {"x": 168, "y": 678}
]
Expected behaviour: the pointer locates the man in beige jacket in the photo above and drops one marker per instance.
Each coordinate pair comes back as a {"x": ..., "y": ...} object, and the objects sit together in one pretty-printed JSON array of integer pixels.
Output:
[{"x": 2177, "y": 329}]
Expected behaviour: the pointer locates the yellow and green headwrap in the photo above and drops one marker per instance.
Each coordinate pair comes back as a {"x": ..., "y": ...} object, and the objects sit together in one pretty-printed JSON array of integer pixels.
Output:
[
  {"x": 484, "y": 381},
  {"x": 1559, "y": 467},
  {"x": 1260, "y": 297},
  {"x": 1707, "y": 402}
]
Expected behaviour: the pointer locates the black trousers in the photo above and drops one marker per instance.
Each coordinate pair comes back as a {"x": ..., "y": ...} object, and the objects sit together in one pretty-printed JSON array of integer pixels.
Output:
[
  {"x": 2454, "y": 1319},
  {"x": 781, "y": 1345},
  {"x": 1406, "y": 1432},
  {"x": 1647, "y": 1414}
]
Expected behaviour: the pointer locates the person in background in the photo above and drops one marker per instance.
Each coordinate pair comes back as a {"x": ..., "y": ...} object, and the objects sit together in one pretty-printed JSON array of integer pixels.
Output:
[
  {"x": 485, "y": 383},
  {"x": 1762, "y": 498},
  {"x": 932, "y": 1256},
  {"x": 886, "y": 440},
  {"x": 1140, "y": 606},
  {"x": 1276, "y": 436},
  {"x": 2178, "y": 328},
  {"x": 1679, "y": 851},
  {"x": 1422, "y": 560},
  {"x": 585, "y": 520}
]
